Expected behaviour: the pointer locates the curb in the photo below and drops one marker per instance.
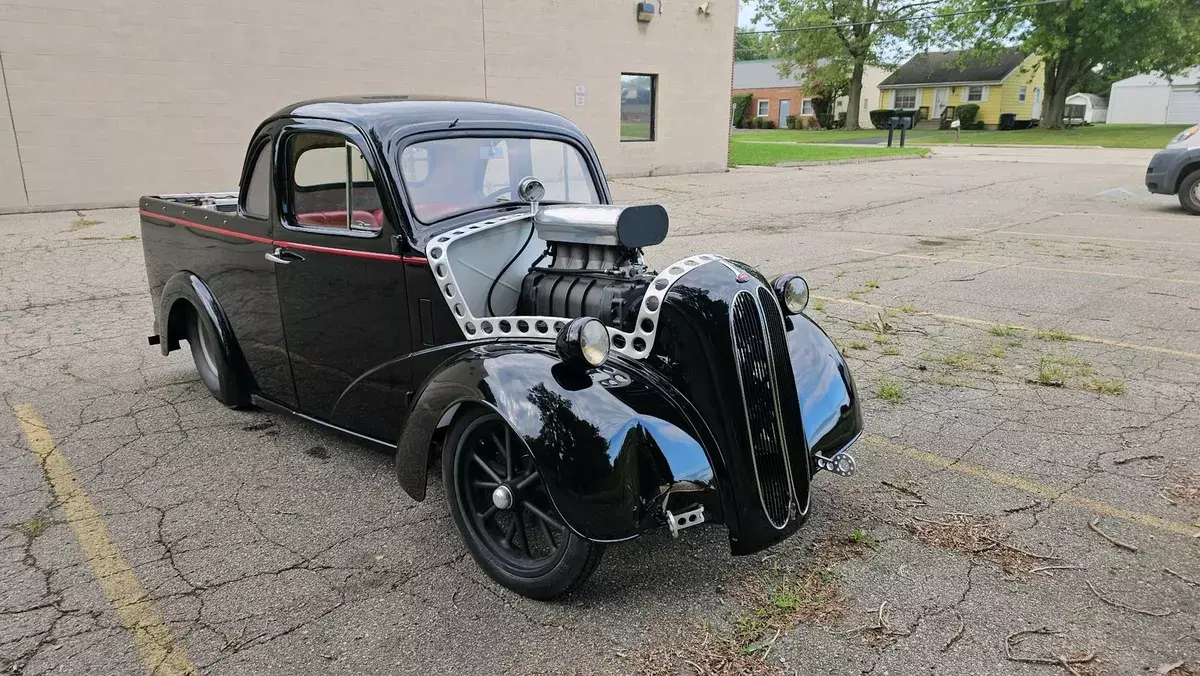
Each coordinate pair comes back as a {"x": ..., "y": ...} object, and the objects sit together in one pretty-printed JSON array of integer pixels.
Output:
[{"x": 1016, "y": 145}]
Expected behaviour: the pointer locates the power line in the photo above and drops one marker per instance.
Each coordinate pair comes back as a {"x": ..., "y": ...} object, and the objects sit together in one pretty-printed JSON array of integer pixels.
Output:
[{"x": 911, "y": 18}]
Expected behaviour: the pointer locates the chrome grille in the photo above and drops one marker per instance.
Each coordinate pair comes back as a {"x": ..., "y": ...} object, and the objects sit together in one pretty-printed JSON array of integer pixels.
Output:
[
  {"x": 788, "y": 399},
  {"x": 755, "y": 361}
]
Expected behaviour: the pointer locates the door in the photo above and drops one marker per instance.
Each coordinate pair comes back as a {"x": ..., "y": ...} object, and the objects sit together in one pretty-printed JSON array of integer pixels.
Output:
[
  {"x": 941, "y": 99},
  {"x": 1183, "y": 107},
  {"x": 1037, "y": 103},
  {"x": 341, "y": 289},
  {"x": 784, "y": 110}
]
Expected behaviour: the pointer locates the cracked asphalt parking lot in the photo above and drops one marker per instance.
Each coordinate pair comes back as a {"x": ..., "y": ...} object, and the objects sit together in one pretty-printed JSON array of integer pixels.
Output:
[{"x": 1023, "y": 325}]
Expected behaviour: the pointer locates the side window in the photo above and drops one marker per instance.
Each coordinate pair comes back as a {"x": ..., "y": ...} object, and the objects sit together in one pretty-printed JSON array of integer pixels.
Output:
[
  {"x": 330, "y": 186},
  {"x": 257, "y": 201}
]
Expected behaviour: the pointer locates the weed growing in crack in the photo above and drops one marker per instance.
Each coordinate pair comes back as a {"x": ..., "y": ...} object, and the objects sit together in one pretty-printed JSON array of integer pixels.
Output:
[
  {"x": 83, "y": 222},
  {"x": 1053, "y": 334},
  {"x": 996, "y": 351},
  {"x": 1061, "y": 360},
  {"x": 903, "y": 309},
  {"x": 1002, "y": 331},
  {"x": 1105, "y": 386},
  {"x": 890, "y": 390},
  {"x": 780, "y": 600},
  {"x": 958, "y": 360},
  {"x": 871, "y": 284},
  {"x": 860, "y": 536},
  {"x": 35, "y": 526},
  {"x": 819, "y": 306},
  {"x": 891, "y": 351},
  {"x": 858, "y": 345},
  {"x": 882, "y": 339},
  {"x": 1050, "y": 375}
]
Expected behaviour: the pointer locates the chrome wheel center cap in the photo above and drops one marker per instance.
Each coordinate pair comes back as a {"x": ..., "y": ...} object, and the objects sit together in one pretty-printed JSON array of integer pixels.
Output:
[{"x": 502, "y": 497}]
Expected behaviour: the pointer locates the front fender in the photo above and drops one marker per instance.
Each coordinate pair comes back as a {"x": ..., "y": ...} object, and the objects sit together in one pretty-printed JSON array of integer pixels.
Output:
[
  {"x": 829, "y": 403},
  {"x": 610, "y": 443}
]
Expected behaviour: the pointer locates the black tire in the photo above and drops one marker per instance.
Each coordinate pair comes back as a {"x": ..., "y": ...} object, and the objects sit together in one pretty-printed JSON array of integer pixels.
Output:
[
  {"x": 1189, "y": 193},
  {"x": 214, "y": 369},
  {"x": 526, "y": 547}
]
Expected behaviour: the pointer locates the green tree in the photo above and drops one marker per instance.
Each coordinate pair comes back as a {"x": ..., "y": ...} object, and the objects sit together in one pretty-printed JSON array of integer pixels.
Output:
[
  {"x": 1077, "y": 37},
  {"x": 859, "y": 34},
  {"x": 748, "y": 45}
]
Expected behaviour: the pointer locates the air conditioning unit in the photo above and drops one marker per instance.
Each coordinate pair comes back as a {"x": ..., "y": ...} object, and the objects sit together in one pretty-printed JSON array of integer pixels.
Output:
[{"x": 645, "y": 11}]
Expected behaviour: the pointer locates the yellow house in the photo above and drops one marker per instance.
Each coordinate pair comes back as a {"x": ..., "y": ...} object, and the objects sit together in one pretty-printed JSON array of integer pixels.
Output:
[{"x": 936, "y": 83}]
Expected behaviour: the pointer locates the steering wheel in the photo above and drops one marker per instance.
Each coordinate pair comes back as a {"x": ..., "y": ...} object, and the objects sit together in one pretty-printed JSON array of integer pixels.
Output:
[{"x": 495, "y": 194}]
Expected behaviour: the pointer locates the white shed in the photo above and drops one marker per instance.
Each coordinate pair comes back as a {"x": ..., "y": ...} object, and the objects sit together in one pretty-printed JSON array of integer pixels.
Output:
[
  {"x": 1095, "y": 108},
  {"x": 1153, "y": 98}
]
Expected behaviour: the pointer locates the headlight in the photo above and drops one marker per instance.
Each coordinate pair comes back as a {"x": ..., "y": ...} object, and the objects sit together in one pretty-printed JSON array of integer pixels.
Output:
[
  {"x": 1185, "y": 135},
  {"x": 793, "y": 293},
  {"x": 583, "y": 341}
]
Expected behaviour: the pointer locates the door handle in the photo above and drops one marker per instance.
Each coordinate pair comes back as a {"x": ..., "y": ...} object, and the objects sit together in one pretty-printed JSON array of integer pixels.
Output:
[{"x": 282, "y": 256}]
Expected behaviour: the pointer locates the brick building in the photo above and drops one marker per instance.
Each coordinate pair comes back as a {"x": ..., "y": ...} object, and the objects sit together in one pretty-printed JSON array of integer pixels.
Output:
[
  {"x": 106, "y": 101},
  {"x": 775, "y": 97}
]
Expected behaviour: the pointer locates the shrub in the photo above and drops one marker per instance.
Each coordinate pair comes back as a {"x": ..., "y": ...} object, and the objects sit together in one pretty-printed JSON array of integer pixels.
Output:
[
  {"x": 741, "y": 103},
  {"x": 879, "y": 118},
  {"x": 791, "y": 122},
  {"x": 841, "y": 121},
  {"x": 768, "y": 124},
  {"x": 825, "y": 120},
  {"x": 967, "y": 113}
]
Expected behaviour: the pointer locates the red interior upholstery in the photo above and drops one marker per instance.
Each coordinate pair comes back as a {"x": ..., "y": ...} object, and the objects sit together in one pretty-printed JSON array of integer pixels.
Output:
[{"x": 337, "y": 219}]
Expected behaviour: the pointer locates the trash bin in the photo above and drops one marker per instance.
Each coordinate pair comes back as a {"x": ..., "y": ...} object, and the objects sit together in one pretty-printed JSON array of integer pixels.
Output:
[{"x": 1008, "y": 121}]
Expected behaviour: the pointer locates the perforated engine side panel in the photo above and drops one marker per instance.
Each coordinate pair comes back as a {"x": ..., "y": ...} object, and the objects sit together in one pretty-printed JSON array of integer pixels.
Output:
[{"x": 476, "y": 325}]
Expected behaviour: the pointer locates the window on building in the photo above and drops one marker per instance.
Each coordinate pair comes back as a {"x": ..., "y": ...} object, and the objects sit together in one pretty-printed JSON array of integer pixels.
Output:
[
  {"x": 806, "y": 107},
  {"x": 764, "y": 108},
  {"x": 638, "y": 94},
  {"x": 1021, "y": 94},
  {"x": 257, "y": 200},
  {"x": 975, "y": 93},
  {"x": 906, "y": 99},
  {"x": 330, "y": 188}
]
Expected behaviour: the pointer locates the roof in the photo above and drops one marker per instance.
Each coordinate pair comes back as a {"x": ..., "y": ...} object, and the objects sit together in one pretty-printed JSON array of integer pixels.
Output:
[
  {"x": 1096, "y": 100},
  {"x": 384, "y": 115},
  {"x": 760, "y": 74},
  {"x": 1190, "y": 77},
  {"x": 955, "y": 68}
]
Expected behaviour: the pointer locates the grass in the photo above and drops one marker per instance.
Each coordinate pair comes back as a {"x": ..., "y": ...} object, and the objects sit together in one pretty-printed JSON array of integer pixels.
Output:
[
  {"x": 1002, "y": 331},
  {"x": 1062, "y": 360},
  {"x": 768, "y": 154},
  {"x": 891, "y": 351},
  {"x": 1048, "y": 374},
  {"x": 1105, "y": 386},
  {"x": 882, "y": 339},
  {"x": 635, "y": 131},
  {"x": 858, "y": 345},
  {"x": 996, "y": 351},
  {"x": 860, "y": 536},
  {"x": 890, "y": 390},
  {"x": 903, "y": 309},
  {"x": 871, "y": 284},
  {"x": 819, "y": 306},
  {"x": 1104, "y": 135},
  {"x": 1053, "y": 334},
  {"x": 35, "y": 526}
]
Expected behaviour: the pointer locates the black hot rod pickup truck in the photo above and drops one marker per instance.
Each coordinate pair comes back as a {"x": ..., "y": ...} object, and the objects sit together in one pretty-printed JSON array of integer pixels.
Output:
[{"x": 447, "y": 277}]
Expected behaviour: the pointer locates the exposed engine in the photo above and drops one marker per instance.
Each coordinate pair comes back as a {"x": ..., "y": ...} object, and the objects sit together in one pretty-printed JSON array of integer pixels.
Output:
[{"x": 596, "y": 268}]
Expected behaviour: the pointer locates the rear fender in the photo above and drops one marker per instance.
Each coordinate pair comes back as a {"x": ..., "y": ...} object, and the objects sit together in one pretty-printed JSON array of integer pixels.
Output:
[
  {"x": 609, "y": 443},
  {"x": 185, "y": 289}
]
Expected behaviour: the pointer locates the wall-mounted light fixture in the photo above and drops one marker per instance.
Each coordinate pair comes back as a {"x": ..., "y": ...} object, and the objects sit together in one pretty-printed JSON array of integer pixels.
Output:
[{"x": 645, "y": 11}]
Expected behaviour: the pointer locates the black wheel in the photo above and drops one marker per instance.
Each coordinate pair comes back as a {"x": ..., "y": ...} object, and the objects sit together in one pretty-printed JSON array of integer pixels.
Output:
[
  {"x": 505, "y": 516},
  {"x": 214, "y": 369},
  {"x": 1189, "y": 192}
]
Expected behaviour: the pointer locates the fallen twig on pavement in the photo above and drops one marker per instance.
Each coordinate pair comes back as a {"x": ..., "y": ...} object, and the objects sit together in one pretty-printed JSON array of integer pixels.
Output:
[
  {"x": 1045, "y": 557},
  {"x": 1181, "y": 576},
  {"x": 1095, "y": 525},
  {"x": 1041, "y": 569},
  {"x": 1138, "y": 457},
  {"x": 902, "y": 489},
  {"x": 1061, "y": 661},
  {"x": 1118, "y": 604}
]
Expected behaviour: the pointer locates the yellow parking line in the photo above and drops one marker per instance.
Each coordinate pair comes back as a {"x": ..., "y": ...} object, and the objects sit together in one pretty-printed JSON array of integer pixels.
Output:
[
  {"x": 1030, "y": 267},
  {"x": 1040, "y": 490},
  {"x": 151, "y": 637},
  {"x": 1018, "y": 327}
]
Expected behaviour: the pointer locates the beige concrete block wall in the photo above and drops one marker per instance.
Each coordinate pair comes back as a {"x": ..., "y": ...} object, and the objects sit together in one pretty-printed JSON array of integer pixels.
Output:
[{"x": 112, "y": 100}]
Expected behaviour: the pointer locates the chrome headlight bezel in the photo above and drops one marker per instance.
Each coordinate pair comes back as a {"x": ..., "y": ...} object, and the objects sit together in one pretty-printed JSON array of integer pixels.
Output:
[
  {"x": 584, "y": 341},
  {"x": 792, "y": 292}
]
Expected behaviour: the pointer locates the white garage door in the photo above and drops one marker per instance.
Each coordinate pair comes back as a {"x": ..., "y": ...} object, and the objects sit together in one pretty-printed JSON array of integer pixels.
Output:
[{"x": 1184, "y": 106}]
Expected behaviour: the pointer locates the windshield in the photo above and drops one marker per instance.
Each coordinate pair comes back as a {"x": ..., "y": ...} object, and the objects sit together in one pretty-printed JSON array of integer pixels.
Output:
[{"x": 451, "y": 176}]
